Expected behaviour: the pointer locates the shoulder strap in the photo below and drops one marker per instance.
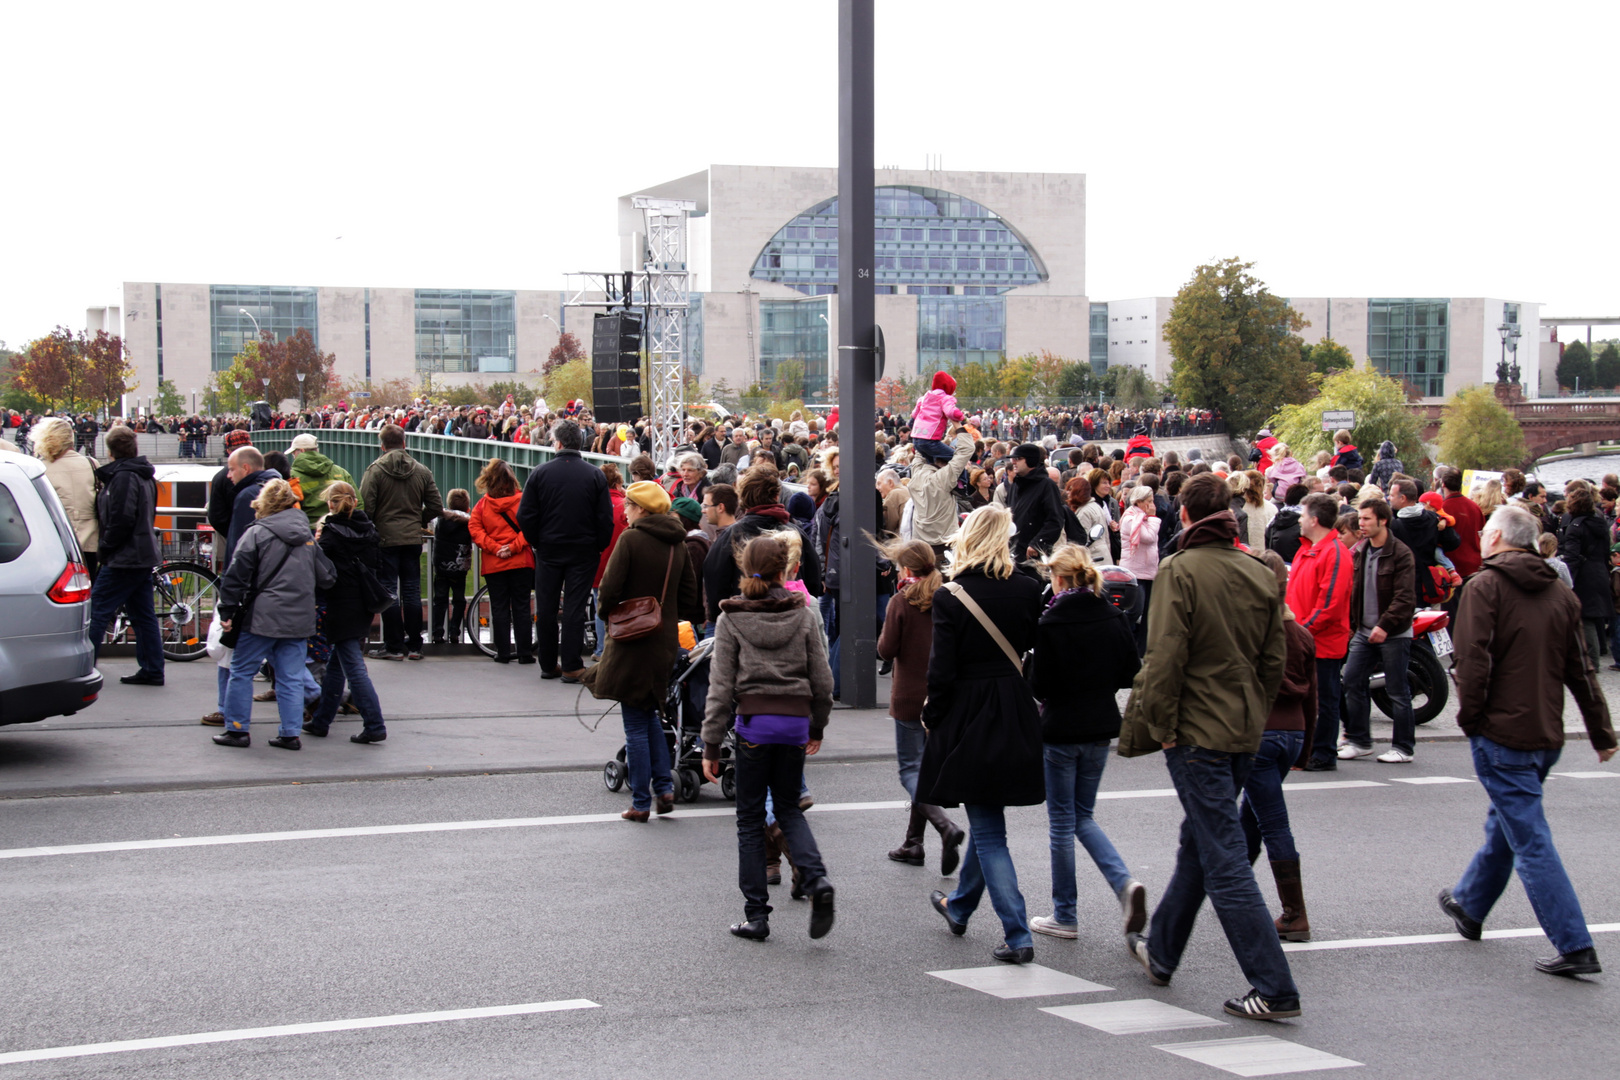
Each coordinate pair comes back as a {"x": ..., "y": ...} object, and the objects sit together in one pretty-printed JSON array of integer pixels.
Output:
[
  {"x": 977, "y": 612},
  {"x": 668, "y": 570}
]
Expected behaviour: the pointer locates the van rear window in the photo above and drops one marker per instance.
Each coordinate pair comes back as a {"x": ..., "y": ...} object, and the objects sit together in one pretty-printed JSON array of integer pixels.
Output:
[{"x": 14, "y": 538}]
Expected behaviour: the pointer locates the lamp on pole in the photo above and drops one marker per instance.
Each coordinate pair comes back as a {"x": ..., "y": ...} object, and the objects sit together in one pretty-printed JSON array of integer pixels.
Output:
[
  {"x": 238, "y": 397},
  {"x": 257, "y": 333},
  {"x": 300, "y": 377}
]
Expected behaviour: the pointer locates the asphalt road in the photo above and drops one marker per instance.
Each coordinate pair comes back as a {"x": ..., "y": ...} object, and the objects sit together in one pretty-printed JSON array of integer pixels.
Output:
[{"x": 146, "y": 941}]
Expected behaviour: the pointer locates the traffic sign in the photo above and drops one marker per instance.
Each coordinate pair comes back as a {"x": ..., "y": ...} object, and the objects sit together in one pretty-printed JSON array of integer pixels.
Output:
[{"x": 1334, "y": 419}]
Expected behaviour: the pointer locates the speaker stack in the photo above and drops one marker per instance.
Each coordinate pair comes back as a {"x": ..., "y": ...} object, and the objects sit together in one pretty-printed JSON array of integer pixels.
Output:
[{"x": 616, "y": 367}]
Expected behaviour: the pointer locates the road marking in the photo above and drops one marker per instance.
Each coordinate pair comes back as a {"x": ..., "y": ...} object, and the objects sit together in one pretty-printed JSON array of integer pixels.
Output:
[
  {"x": 1587, "y": 775},
  {"x": 1019, "y": 981},
  {"x": 1432, "y": 780},
  {"x": 89, "y": 1049},
  {"x": 1333, "y": 785},
  {"x": 1428, "y": 939},
  {"x": 1258, "y": 1055},
  {"x": 1133, "y": 1017}
]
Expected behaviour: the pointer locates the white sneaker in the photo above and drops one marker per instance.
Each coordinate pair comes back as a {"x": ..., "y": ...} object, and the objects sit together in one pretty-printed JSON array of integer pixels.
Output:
[
  {"x": 1350, "y": 751},
  {"x": 1395, "y": 757},
  {"x": 1045, "y": 924},
  {"x": 1133, "y": 902}
]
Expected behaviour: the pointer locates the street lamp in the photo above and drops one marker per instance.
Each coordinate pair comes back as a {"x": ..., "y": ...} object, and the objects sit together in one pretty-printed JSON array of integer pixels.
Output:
[
  {"x": 257, "y": 333},
  {"x": 238, "y": 397},
  {"x": 193, "y": 401},
  {"x": 1510, "y": 340},
  {"x": 300, "y": 377}
]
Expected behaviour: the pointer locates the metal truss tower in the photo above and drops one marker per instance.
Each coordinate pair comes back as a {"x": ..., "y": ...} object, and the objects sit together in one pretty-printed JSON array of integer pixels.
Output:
[{"x": 665, "y": 299}]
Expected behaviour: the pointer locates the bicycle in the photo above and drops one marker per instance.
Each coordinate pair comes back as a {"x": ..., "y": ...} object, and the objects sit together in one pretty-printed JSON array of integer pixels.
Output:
[
  {"x": 480, "y": 628},
  {"x": 185, "y": 595}
]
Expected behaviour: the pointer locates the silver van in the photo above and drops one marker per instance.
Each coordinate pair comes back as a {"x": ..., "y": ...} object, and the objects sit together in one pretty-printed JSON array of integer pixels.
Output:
[{"x": 47, "y": 665}]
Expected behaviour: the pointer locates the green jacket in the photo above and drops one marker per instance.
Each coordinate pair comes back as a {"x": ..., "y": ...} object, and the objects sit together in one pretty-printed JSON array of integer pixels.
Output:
[
  {"x": 1215, "y": 653},
  {"x": 315, "y": 473},
  {"x": 401, "y": 497}
]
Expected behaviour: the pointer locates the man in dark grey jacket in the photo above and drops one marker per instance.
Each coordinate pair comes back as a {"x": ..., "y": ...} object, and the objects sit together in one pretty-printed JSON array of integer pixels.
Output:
[
  {"x": 125, "y": 508},
  {"x": 401, "y": 497},
  {"x": 567, "y": 517}
]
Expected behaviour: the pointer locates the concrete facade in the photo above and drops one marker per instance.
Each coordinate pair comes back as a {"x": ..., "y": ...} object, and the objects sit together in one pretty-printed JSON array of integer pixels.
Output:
[{"x": 1136, "y": 335}]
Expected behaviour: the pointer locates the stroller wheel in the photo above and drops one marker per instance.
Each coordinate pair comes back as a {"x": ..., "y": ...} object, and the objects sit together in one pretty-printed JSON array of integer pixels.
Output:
[
  {"x": 728, "y": 784},
  {"x": 613, "y": 775},
  {"x": 690, "y": 782}
]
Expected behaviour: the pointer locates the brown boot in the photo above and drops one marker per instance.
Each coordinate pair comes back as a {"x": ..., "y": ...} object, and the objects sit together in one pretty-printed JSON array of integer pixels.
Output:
[
  {"x": 950, "y": 834},
  {"x": 775, "y": 844},
  {"x": 1292, "y": 925},
  {"x": 911, "y": 851}
]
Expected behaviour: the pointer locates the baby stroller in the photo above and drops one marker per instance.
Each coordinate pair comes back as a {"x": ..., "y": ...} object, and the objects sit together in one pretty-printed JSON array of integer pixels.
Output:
[{"x": 682, "y": 721}]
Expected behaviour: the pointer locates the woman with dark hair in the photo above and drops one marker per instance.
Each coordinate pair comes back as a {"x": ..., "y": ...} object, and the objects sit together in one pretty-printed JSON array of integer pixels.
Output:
[
  {"x": 1585, "y": 550},
  {"x": 817, "y": 485},
  {"x": 350, "y": 540},
  {"x": 982, "y": 485},
  {"x": 507, "y": 562}
]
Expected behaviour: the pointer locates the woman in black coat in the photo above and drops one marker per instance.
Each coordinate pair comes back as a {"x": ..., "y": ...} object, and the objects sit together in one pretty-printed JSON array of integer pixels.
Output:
[
  {"x": 350, "y": 540},
  {"x": 984, "y": 731},
  {"x": 1585, "y": 550}
]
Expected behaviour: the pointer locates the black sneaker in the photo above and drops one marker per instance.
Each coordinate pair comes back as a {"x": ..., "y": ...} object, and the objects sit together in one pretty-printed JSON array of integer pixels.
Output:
[
  {"x": 1255, "y": 1007},
  {"x": 1318, "y": 765},
  {"x": 1468, "y": 927},
  {"x": 1137, "y": 946}
]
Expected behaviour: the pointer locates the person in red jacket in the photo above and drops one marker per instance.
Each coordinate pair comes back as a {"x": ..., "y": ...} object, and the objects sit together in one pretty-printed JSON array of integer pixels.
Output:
[
  {"x": 507, "y": 562},
  {"x": 1319, "y": 596},
  {"x": 1469, "y": 523}
]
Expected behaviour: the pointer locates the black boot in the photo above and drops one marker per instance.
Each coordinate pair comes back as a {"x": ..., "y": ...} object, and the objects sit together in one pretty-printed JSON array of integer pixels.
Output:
[
  {"x": 950, "y": 834},
  {"x": 911, "y": 852}
]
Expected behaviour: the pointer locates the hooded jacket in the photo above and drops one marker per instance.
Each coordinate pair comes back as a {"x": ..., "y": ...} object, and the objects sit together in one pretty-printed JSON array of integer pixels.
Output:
[
  {"x": 401, "y": 497},
  {"x": 1421, "y": 530},
  {"x": 934, "y": 408},
  {"x": 1385, "y": 467},
  {"x": 768, "y": 659},
  {"x": 1519, "y": 644},
  {"x": 1349, "y": 457},
  {"x": 637, "y": 672},
  {"x": 1283, "y": 475},
  {"x": 1037, "y": 509},
  {"x": 125, "y": 508},
  {"x": 315, "y": 473},
  {"x": 285, "y": 604},
  {"x": 1283, "y": 535},
  {"x": 349, "y": 542},
  {"x": 1585, "y": 550},
  {"x": 1085, "y": 628}
]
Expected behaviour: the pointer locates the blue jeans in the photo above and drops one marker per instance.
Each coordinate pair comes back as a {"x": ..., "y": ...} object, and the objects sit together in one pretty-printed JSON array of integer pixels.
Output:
[
  {"x": 286, "y": 655},
  {"x": 1517, "y": 837},
  {"x": 646, "y": 753},
  {"x": 829, "y": 620},
  {"x": 1329, "y": 693},
  {"x": 348, "y": 665},
  {"x": 1073, "y": 773},
  {"x": 909, "y": 737},
  {"x": 402, "y": 623},
  {"x": 1265, "y": 813},
  {"x": 133, "y": 590},
  {"x": 933, "y": 449},
  {"x": 987, "y": 864},
  {"x": 1393, "y": 655},
  {"x": 1212, "y": 862}
]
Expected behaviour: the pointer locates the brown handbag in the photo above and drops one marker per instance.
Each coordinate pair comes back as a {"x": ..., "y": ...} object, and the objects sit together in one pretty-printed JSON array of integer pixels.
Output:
[{"x": 640, "y": 615}]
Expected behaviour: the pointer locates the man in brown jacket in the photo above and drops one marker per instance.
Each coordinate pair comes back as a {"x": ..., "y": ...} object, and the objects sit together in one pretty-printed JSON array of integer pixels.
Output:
[
  {"x": 1381, "y": 605},
  {"x": 1519, "y": 643}
]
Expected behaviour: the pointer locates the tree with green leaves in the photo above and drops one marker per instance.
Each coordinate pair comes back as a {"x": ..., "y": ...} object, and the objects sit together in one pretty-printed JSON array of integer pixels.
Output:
[
  {"x": 169, "y": 401},
  {"x": 1133, "y": 389},
  {"x": 1606, "y": 368},
  {"x": 787, "y": 383},
  {"x": 1076, "y": 381},
  {"x": 1236, "y": 346},
  {"x": 1575, "y": 367},
  {"x": 1382, "y": 412},
  {"x": 1478, "y": 432},
  {"x": 1327, "y": 357},
  {"x": 570, "y": 381}
]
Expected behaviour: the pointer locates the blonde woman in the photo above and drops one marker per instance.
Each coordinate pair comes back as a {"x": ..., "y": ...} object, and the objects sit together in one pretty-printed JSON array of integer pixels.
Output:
[
  {"x": 1260, "y": 510},
  {"x": 74, "y": 477},
  {"x": 1490, "y": 498},
  {"x": 269, "y": 589},
  {"x": 984, "y": 731}
]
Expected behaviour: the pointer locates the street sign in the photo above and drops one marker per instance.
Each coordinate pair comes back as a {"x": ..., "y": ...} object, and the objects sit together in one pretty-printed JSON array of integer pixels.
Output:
[
  {"x": 367, "y": 393},
  {"x": 1335, "y": 419}
]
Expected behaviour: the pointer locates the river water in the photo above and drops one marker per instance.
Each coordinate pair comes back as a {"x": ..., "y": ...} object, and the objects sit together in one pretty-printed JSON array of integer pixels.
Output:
[{"x": 1559, "y": 471}]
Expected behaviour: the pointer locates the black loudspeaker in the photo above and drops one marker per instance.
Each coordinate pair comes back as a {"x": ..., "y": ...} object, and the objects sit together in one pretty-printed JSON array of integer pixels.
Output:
[{"x": 616, "y": 367}]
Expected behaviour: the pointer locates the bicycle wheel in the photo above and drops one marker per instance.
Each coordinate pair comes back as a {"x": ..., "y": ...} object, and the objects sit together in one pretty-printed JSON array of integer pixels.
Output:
[
  {"x": 480, "y": 630},
  {"x": 186, "y": 595}
]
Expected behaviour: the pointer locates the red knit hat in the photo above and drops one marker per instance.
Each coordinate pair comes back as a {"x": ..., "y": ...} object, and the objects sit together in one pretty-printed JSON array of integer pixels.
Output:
[
  {"x": 944, "y": 382},
  {"x": 235, "y": 440}
]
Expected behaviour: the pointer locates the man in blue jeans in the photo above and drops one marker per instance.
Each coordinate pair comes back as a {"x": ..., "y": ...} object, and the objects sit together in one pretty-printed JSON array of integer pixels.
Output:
[
  {"x": 1520, "y": 642},
  {"x": 1203, "y": 694},
  {"x": 1382, "y": 602}
]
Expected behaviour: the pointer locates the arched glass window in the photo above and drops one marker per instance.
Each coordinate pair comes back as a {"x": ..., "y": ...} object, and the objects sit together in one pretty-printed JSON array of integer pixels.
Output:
[{"x": 928, "y": 243}]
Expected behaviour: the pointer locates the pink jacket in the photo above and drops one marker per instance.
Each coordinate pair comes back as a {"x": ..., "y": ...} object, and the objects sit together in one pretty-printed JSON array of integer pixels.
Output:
[
  {"x": 928, "y": 418},
  {"x": 1139, "y": 543}
]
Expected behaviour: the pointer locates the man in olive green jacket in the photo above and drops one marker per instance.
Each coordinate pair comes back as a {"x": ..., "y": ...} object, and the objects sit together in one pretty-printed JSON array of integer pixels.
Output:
[
  {"x": 1215, "y": 655},
  {"x": 315, "y": 472},
  {"x": 400, "y": 495}
]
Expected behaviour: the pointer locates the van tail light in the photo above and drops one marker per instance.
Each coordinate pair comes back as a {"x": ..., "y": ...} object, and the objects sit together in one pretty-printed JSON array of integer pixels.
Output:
[{"x": 73, "y": 587}]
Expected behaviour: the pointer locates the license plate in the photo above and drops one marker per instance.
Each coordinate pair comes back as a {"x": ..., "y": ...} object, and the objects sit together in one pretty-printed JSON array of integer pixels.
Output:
[{"x": 1441, "y": 640}]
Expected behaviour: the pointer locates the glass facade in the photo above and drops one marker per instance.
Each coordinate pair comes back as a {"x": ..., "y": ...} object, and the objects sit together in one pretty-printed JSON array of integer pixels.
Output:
[
  {"x": 1409, "y": 339},
  {"x": 957, "y": 330},
  {"x": 466, "y": 330},
  {"x": 1099, "y": 338},
  {"x": 794, "y": 330},
  {"x": 930, "y": 242},
  {"x": 279, "y": 310}
]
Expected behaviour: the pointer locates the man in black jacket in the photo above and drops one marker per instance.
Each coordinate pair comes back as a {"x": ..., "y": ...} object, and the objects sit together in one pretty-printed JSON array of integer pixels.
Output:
[
  {"x": 1037, "y": 505},
  {"x": 125, "y": 508},
  {"x": 222, "y": 494},
  {"x": 567, "y": 518},
  {"x": 1420, "y": 529},
  {"x": 1381, "y": 605}
]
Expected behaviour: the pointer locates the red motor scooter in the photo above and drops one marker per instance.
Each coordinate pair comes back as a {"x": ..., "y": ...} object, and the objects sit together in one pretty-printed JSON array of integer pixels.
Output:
[{"x": 1426, "y": 670}]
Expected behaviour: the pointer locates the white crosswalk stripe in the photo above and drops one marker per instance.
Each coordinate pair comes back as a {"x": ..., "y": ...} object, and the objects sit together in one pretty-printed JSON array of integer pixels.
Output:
[{"x": 1258, "y": 1055}]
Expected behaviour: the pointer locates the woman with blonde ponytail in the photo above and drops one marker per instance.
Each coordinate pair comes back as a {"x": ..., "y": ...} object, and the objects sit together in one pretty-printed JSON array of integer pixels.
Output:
[{"x": 1079, "y": 717}]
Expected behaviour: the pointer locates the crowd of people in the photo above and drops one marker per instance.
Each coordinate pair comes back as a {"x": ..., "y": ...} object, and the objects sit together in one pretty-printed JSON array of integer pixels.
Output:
[{"x": 1244, "y": 603}]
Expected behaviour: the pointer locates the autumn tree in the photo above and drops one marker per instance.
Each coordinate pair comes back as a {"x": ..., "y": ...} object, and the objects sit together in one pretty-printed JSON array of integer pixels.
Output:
[
  {"x": 569, "y": 382},
  {"x": 890, "y": 393},
  {"x": 1236, "y": 346},
  {"x": 567, "y": 348},
  {"x": 52, "y": 369},
  {"x": 1382, "y": 412},
  {"x": 1478, "y": 432},
  {"x": 284, "y": 360},
  {"x": 1015, "y": 379},
  {"x": 1575, "y": 366}
]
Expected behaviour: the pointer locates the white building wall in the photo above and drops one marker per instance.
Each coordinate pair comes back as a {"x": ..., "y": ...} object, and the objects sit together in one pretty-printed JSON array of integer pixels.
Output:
[
  {"x": 1057, "y": 324},
  {"x": 1136, "y": 335}
]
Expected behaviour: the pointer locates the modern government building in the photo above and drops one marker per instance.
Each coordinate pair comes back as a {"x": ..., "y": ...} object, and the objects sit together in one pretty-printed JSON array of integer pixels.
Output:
[{"x": 969, "y": 266}]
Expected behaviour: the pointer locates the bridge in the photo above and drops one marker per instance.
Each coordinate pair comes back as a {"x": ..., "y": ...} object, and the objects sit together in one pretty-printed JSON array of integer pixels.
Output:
[{"x": 1548, "y": 424}]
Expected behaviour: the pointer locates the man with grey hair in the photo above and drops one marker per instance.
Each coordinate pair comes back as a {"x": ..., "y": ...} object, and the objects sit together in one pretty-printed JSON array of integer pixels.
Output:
[
  {"x": 693, "y": 480},
  {"x": 1519, "y": 644},
  {"x": 895, "y": 498}
]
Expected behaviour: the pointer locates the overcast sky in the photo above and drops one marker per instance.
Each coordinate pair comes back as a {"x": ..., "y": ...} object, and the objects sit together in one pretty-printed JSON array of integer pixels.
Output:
[{"x": 1416, "y": 148}]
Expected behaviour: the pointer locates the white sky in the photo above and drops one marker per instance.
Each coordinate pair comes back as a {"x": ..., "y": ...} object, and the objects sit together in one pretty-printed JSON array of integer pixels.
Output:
[{"x": 1389, "y": 149}]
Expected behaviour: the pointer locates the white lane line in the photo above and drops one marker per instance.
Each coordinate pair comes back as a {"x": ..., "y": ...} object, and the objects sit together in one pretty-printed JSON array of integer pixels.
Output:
[
  {"x": 89, "y": 1049},
  {"x": 1019, "y": 981},
  {"x": 1258, "y": 1055},
  {"x": 1428, "y": 939},
  {"x": 1432, "y": 780},
  {"x": 681, "y": 814},
  {"x": 1133, "y": 1017},
  {"x": 1587, "y": 775}
]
